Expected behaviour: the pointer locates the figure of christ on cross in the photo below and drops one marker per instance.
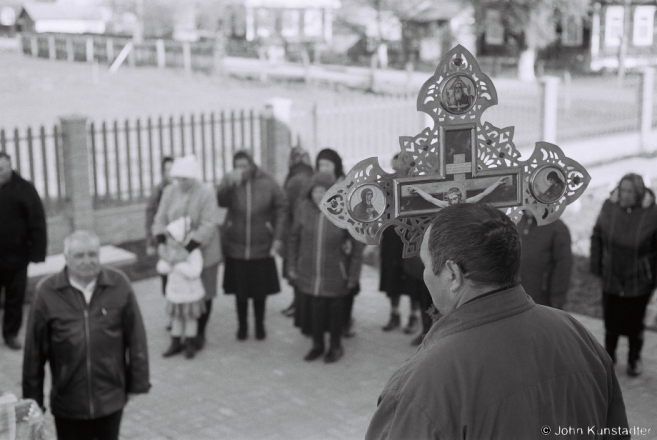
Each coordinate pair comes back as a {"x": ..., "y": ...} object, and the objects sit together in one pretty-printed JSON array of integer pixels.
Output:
[
  {"x": 459, "y": 168},
  {"x": 454, "y": 195}
]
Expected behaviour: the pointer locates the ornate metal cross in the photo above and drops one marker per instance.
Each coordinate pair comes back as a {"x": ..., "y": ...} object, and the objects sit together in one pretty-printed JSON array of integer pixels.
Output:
[{"x": 459, "y": 160}]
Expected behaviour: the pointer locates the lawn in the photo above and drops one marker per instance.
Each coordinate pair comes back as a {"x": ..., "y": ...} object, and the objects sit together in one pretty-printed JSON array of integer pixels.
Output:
[{"x": 38, "y": 91}]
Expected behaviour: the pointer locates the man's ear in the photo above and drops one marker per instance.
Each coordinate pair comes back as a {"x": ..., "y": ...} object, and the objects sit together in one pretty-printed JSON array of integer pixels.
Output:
[{"x": 455, "y": 274}]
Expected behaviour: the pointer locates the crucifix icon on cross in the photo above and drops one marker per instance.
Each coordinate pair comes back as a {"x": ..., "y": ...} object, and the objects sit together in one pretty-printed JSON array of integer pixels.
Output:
[{"x": 458, "y": 160}]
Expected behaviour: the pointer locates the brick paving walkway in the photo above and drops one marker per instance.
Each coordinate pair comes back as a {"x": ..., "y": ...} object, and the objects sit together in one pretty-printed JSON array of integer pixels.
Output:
[{"x": 264, "y": 390}]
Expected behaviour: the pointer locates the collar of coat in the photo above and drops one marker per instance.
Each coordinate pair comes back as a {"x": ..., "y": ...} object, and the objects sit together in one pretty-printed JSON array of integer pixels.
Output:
[
  {"x": 62, "y": 282},
  {"x": 647, "y": 202},
  {"x": 487, "y": 309}
]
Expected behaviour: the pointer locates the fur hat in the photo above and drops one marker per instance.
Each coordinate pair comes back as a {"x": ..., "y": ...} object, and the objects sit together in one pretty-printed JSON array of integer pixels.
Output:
[{"x": 187, "y": 167}]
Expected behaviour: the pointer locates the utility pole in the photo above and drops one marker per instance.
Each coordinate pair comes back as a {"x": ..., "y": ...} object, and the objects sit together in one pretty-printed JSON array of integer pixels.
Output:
[{"x": 138, "y": 36}]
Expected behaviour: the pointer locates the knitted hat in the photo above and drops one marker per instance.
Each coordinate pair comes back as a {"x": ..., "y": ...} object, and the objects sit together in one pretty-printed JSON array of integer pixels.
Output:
[
  {"x": 186, "y": 167},
  {"x": 334, "y": 157},
  {"x": 299, "y": 155}
]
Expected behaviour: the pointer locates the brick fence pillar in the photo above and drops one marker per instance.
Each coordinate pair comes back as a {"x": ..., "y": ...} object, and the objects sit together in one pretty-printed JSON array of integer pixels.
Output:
[
  {"x": 80, "y": 210},
  {"x": 276, "y": 137}
]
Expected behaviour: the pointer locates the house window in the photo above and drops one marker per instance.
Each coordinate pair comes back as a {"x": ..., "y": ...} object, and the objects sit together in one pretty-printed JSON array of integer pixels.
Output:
[
  {"x": 494, "y": 28},
  {"x": 572, "y": 33},
  {"x": 266, "y": 23},
  {"x": 312, "y": 23},
  {"x": 290, "y": 23},
  {"x": 643, "y": 25},
  {"x": 614, "y": 26}
]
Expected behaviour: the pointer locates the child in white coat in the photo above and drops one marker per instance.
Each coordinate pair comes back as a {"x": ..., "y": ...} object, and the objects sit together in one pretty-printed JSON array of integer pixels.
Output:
[{"x": 184, "y": 291}]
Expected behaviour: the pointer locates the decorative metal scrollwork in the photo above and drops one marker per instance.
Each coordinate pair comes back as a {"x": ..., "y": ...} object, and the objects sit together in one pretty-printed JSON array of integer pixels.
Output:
[{"x": 458, "y": 160}]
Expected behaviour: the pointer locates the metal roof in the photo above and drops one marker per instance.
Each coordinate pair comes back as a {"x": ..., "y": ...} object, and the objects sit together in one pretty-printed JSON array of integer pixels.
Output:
[{"x": 61, "y": 11}]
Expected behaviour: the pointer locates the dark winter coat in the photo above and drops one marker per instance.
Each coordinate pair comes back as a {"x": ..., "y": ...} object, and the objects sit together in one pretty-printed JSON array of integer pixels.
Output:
[
  {"x": 23, "y": 236},
  {"x": 624, "y": 247},
  {"x": 501, "y": 367},
  {"x": 295, "y": 186},
  {"x": 97, "y": 351},
  {"x": 316, "y": 253},
  {"x": 546, "y": 261},
  {"x": 257, "y": 213},
  {"x": 152, "y": 207},
  {"x": 392, "y": 278}
]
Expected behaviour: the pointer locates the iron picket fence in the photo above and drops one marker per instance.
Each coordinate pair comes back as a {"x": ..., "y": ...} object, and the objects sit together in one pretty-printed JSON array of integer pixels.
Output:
[
  {"x": 37, "y": 156},
  {"x": 126, "y": 156}
]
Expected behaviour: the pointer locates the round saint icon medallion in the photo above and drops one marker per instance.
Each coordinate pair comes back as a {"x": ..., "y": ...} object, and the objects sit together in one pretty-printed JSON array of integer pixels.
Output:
[
  {"x": 548, "y": 184},
  {"x": 367, "y": 203},
  {"x": 459, "y": 94}
]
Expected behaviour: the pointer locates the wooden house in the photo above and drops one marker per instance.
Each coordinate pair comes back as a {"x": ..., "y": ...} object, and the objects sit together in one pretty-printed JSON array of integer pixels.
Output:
[
  {"x": 62, "y": 17},
  {"x": 293, "y": 21},
  {"x": 432, "y": 28},
  {"x": 614, "y": 21}
]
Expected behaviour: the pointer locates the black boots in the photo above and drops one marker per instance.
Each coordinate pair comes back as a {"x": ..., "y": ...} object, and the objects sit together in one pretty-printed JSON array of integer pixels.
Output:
[
  {"x": 334, "y": 354},
  {"x": 634, "y": 367},
  {"x": 313, "y": 354},
  {"x": 412, "y": 326},
  {"x": 393, "y": 323},
  {"x": 190, "y": 348},
  {"x": 260, "y": 332},
  {"x": 174, "y": 348}
]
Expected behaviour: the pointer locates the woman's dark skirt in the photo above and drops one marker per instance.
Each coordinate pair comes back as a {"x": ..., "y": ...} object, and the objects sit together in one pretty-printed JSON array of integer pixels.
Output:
[
  {"x": 307, "y": 306},
  {"x": 251, "y": 278},
  {"x": 623, "y": 315}
]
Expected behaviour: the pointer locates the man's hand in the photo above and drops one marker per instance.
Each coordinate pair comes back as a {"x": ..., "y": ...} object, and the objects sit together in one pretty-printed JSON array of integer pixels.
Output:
[
  {"x": 347, "y": 247},
  {"x": 351, "y": 284},
  {"x": 277, "y": 248},
  {"x": 235, "y": 177},
  {"x": 292, "y": 276}
]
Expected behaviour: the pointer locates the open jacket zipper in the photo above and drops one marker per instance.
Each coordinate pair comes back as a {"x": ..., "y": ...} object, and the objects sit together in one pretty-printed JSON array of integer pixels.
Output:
[{"x": 318, "y": 248}]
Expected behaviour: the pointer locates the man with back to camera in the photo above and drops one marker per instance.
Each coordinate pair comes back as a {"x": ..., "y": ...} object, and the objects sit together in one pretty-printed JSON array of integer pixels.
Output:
[
  {"x": 85, "y": 321},
  {"x": 496, "y": 365},
  {"x": 23, "y": 240}
]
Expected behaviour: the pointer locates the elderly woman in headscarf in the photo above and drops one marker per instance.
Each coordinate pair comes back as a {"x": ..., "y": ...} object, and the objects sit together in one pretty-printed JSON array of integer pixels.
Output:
[
  {"x": 624, "y": 256},
  {"x": 300, "y": 172},
  {"x": 321, "y": 269},
  {"x": 253, "y": 231},
  {"x": 190, "y": 197}
]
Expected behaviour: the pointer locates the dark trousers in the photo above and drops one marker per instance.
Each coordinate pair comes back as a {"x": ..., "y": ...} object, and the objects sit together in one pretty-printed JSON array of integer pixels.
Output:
[
  {"x": 209, "y": 280},
  {"x": 242, "y": 307},
  {"x": 328, "y": 314},
  {"x": 102, "y": 428},
  {"x": 14, "y": 282}
]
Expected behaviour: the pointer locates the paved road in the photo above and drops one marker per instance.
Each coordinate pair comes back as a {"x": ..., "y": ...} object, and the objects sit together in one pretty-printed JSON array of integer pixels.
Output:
[{"x": 264, "y": 390}]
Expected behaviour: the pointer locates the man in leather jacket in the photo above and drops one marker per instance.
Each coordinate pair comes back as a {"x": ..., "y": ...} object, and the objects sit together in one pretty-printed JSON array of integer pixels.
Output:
[{"x": 85, "y": 321}]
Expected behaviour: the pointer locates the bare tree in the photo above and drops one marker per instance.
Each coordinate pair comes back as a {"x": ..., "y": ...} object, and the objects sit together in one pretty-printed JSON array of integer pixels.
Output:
[{"x": 531, "y": 22}]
